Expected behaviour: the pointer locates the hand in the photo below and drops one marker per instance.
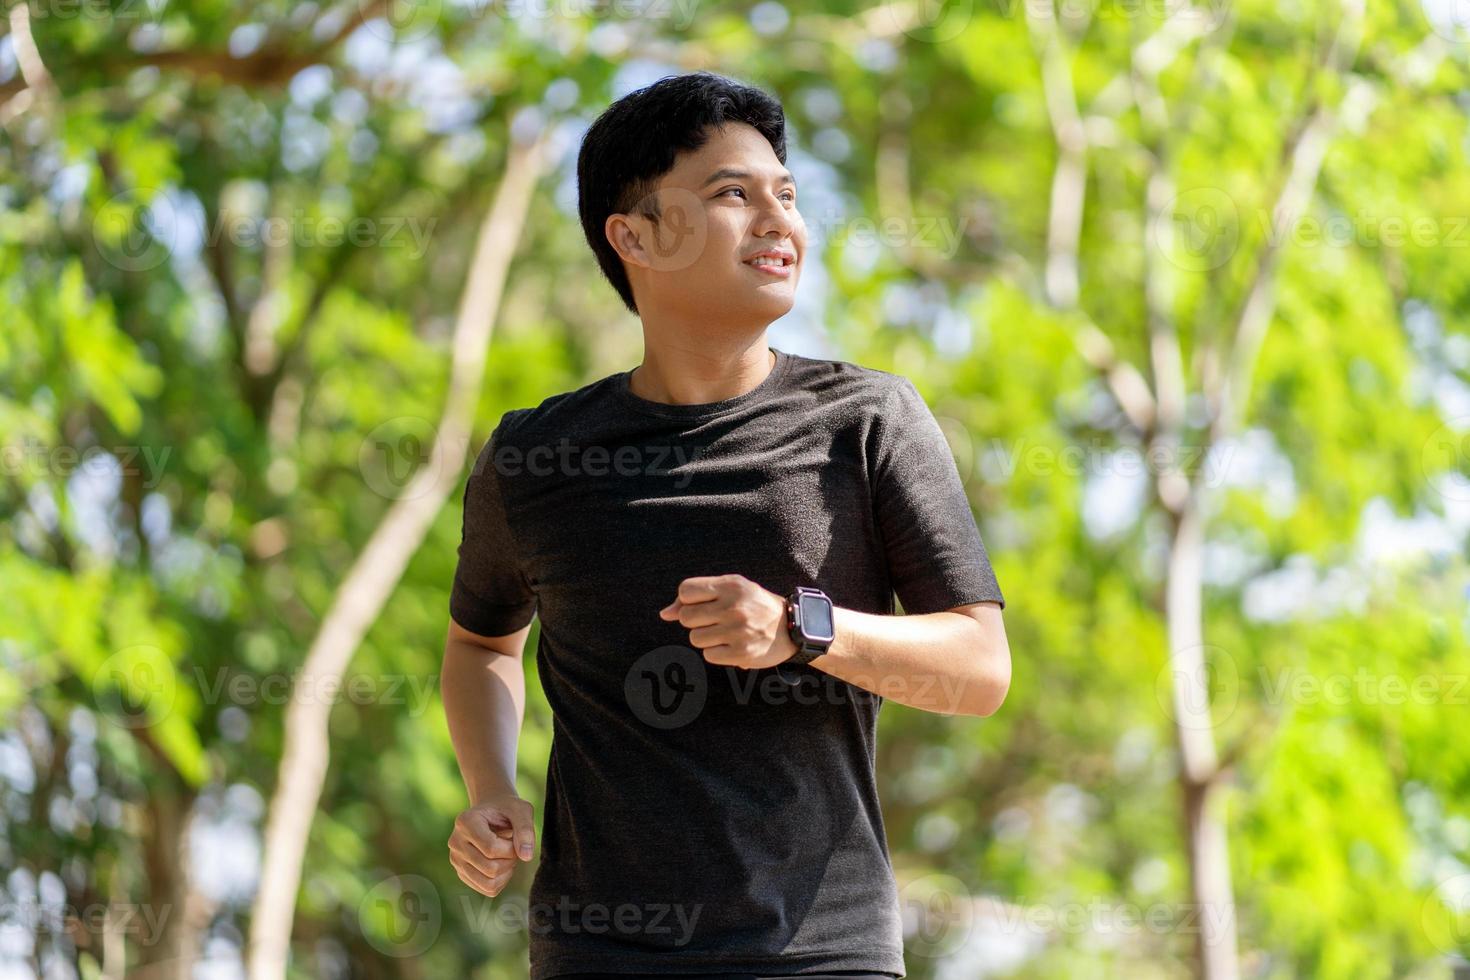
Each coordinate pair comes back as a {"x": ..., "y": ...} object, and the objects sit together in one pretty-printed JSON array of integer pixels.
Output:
[
  {"x": 734, "y": 622},
  {"x": 489, "y": 838}
]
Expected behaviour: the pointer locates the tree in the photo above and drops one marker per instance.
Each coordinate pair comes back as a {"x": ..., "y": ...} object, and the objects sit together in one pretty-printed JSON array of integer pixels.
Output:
[{"x": 1218, "y": 244}]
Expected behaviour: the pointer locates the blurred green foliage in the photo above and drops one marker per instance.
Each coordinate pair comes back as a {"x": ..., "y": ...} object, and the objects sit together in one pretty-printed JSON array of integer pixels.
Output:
[{"x": 209, "y": 389}]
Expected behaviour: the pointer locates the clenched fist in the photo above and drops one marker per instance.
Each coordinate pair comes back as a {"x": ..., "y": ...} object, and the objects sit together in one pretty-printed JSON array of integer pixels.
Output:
[
  {"x": 488, "y": 839},
  {"x": 733, "y": 621}
]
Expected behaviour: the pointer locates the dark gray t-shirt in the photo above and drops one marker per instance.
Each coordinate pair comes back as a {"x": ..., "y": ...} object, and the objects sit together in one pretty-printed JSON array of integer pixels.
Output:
[{"x": 702, "y": 818}]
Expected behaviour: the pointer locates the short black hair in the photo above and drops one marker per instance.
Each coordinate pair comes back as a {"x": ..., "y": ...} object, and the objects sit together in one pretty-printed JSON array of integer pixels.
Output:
[{"x": 637, "y": 139}]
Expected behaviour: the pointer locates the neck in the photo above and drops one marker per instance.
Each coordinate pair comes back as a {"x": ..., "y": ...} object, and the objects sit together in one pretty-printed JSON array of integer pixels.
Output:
[{"x": 689, "y": 370}]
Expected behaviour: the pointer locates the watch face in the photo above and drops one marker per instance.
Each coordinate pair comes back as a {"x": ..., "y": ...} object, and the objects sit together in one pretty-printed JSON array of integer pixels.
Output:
[{"x": 816, "y": 617}]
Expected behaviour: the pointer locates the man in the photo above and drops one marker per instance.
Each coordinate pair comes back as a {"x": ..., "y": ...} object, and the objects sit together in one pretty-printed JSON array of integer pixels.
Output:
[{"x": 712, "y": 541}]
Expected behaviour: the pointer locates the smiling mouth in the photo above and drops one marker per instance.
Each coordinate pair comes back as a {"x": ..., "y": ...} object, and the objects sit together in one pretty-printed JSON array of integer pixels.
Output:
[{"x": 770, "y": 263}]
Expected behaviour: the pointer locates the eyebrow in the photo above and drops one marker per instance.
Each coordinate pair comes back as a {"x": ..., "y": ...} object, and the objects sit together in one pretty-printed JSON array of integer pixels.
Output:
[{"x": 726, "y": 173}]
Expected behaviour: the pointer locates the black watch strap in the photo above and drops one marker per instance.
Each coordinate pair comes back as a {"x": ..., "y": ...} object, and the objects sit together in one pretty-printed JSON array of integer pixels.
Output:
[{"x": 805, "y": 653}]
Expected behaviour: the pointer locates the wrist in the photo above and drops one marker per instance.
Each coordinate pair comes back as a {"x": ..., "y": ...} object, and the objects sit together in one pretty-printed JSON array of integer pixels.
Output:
[
  {"x": 492, "y": 789},
  {"x": 810, "y": 624},
  {"x": 785, "y": 645}
]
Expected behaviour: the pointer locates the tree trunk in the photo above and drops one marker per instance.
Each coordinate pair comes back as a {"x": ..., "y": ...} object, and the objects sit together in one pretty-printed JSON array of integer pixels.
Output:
[
  {"x": 1213, "y": 914},
  {"x": 181, "y": 911},
  {"x": 373, "y": 576}
]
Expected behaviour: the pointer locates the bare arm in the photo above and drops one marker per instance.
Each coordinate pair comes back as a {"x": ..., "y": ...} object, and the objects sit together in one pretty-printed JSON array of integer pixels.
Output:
[
  {"x": 484, "y": 691},
  {"x": 953, "y": 662}
]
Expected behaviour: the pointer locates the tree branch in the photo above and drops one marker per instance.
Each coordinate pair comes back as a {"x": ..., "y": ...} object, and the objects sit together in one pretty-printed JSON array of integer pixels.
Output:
[
  {"x": 1305, "y": 151},
  {"x": 1064, "y": 228}
]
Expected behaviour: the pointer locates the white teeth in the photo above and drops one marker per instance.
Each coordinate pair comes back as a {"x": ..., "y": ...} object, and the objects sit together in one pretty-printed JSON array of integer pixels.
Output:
[{"x": 768, "y": 261}]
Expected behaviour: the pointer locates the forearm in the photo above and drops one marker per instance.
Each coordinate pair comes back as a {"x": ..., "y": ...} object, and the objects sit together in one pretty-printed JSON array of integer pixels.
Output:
[
  {"x": 485, "y": 703},
  {"x": 945, "y": 662}
]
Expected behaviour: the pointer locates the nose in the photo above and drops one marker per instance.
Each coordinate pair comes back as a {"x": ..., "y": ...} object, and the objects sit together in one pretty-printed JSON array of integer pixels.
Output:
[{"x": 777, "y": 218}]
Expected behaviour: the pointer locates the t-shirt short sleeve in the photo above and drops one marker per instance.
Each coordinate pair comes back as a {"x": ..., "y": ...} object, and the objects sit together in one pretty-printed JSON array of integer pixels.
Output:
[
  {"x": 490, "y": 595},
  {"x": 936, "y": 560}
]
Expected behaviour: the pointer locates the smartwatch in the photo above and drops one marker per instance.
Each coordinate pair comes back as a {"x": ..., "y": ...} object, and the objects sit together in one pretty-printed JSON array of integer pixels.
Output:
[{"x": 809, "y": 622}]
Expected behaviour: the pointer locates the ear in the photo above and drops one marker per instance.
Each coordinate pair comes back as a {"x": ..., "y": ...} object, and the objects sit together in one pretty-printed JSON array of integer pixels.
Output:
[{"x": 625, "y": 234}]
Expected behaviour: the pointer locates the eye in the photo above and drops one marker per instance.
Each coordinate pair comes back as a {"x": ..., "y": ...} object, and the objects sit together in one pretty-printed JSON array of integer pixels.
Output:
[{"x": 786, "y": 195}]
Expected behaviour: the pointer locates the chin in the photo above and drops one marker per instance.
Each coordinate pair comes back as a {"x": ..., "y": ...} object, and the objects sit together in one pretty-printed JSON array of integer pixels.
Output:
[
  {"x": 778, "y": 298},
  {"x": 771, "y": 309}
]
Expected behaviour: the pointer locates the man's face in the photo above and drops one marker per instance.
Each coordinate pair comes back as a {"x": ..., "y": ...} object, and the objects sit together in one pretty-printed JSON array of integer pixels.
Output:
[{"x": 720, "y": 207}]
